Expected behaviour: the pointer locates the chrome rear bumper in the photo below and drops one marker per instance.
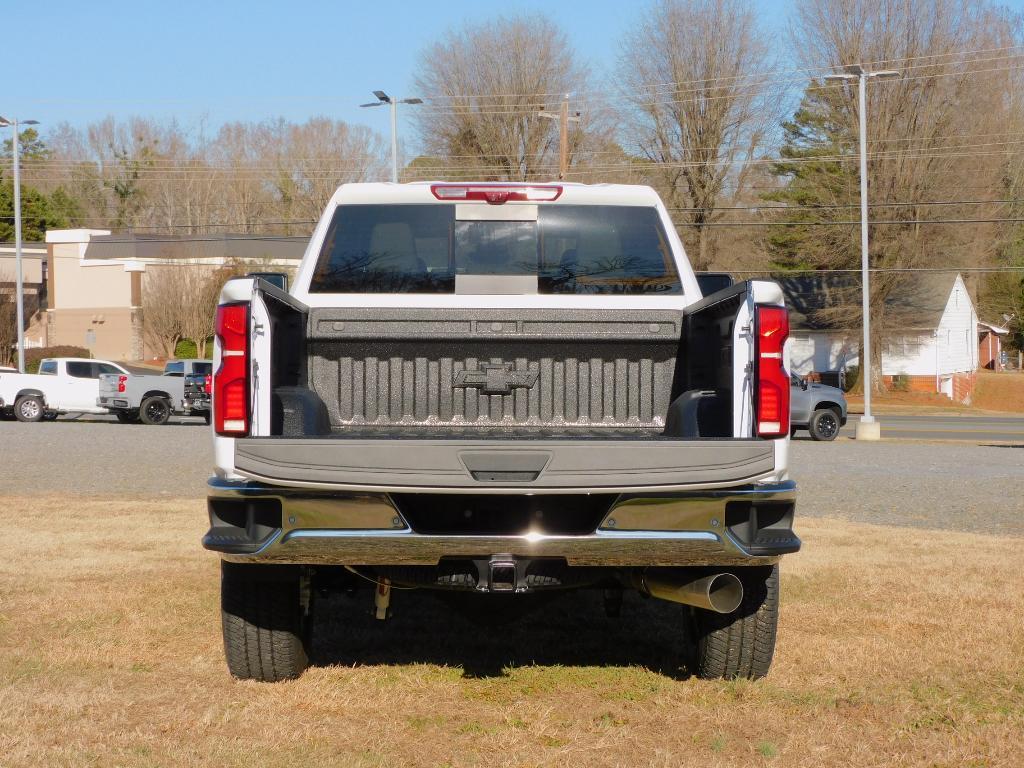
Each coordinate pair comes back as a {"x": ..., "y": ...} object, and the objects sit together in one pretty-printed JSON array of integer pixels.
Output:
[{"x": 751, "y": 525}]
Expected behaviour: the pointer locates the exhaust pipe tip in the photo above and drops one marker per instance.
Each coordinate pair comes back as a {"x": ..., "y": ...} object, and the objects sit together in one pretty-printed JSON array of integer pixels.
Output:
[
  {"x": 724, "y": 592},
  {"x": 719, "y": 592}
]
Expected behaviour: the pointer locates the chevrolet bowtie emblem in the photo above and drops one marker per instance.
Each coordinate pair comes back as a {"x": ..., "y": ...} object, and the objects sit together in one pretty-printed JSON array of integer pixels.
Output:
[{"x": 495, "y": 379}]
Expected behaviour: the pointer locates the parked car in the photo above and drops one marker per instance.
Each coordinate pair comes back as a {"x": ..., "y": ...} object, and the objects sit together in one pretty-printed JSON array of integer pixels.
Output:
[
  {"x": 152, "y": 399},
  {"x": 63, "y": 385},
  {"x": 198, "y": 394},
  {"x": 500, "y": 389},
  {"x": 818, "y": 408}
]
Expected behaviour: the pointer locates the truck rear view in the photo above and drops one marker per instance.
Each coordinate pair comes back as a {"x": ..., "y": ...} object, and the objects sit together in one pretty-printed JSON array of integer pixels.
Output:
[{"x": 500, "y": 389}]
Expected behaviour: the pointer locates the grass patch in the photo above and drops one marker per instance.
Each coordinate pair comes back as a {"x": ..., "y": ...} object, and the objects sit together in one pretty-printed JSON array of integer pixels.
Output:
[{"x": 890, "y": 651}]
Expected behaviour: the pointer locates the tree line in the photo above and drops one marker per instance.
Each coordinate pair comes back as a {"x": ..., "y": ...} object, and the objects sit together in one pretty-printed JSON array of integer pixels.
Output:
[{"x": 752, "y": 149}]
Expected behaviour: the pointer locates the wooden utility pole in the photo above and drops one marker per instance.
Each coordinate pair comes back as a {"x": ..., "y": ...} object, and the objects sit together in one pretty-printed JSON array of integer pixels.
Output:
[{"x": 563, "y": 119}]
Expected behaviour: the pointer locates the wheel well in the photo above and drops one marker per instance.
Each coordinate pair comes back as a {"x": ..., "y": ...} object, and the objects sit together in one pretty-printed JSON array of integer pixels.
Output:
[
  {"x": 155, "y": 393},
  {"x": 829, "y": 406},
  {"x": 32, "y": 392}
]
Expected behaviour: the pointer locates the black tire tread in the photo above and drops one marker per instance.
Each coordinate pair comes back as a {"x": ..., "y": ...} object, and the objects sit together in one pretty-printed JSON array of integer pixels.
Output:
[
  {"x": 144, "y": 416},
  {"x": 741, "y": 644},
  {"x": 813, "y": 425},
  {"x": 262, "y": 624}
]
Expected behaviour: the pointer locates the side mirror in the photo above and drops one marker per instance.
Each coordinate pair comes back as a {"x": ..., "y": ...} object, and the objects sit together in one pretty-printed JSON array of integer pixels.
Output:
[
  {"x": 276, "y": 279},
  {"x": 713, "y": 282}
]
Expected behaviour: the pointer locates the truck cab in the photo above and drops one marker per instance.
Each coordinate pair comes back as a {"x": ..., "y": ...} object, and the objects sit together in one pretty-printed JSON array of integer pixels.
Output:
[{"x": 501, "y": 389}]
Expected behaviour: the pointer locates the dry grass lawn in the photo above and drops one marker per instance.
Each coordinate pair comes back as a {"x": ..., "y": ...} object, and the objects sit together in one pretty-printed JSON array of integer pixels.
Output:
[
  {"x": 1003, "y": 392},
  {"x": 1000, "y": 391},
  {"x": 897, "y": 647}
]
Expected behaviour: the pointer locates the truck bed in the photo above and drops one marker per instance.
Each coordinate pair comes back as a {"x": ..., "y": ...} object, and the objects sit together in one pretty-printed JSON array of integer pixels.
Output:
[{"x": 413, "y": 373}]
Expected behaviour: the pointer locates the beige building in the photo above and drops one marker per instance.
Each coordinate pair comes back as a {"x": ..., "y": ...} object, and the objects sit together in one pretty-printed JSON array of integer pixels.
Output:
[
  {"x": 94, "y": 280},
  {"x": 33, "y": 271}
]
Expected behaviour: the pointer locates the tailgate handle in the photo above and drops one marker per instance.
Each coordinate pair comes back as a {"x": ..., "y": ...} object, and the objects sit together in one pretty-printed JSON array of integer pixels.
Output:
[{"x": 505, "y": 466}]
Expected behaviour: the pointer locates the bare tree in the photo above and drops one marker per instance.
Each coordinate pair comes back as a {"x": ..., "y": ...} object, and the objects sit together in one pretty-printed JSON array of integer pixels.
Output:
[
  {"x": 204, "y": 287},
  {"x": 313, "y": 159},
  {"x": 484, "y": 85},
  {"x": 8, "y": 321},
  {"x": 691, "y": 73},
  {"x": 162, "y": 315}
]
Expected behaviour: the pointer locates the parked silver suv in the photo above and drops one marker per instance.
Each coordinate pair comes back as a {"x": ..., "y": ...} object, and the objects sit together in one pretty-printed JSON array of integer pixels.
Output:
[{"x": 818, "y": 408}]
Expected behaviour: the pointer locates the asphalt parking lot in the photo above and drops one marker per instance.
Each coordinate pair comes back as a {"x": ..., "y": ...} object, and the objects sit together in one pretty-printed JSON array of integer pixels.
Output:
[{"x": 970, "y": 486}]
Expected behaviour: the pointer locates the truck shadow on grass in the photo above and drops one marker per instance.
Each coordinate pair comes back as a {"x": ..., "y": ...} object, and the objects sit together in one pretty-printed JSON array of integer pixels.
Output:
[{"x": 567, "y": 629}]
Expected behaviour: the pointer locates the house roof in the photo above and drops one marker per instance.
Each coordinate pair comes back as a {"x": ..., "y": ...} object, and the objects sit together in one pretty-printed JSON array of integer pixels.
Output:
[
  {"x": 825, "y": 301},
  {"x": 996, "y": 329}
]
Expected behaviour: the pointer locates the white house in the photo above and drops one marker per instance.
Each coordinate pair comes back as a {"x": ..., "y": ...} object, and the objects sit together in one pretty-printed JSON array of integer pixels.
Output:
[{"x": 931, "y": 344}]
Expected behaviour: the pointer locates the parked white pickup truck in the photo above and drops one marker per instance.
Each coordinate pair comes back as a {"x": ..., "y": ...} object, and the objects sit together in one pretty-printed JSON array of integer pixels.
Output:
[
  {"x": 500, "y": 389},
  {"x": 63, "y": 385}
]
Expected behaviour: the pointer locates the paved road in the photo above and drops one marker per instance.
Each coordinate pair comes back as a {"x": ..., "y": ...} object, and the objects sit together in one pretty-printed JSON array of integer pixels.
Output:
[
  {"x": 971, "y": 486},
  {"x": 934, "y": 427}
]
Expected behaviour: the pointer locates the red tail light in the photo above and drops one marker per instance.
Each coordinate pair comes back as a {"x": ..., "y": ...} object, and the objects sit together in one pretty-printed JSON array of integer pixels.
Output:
[
  {"x": 121, "y": 383},
  {"x": 496, "y": 194},
  {"x": 772, "y": 410},
  {"x": 231, "y": 382},
  {"x": 208, "y": 384}
]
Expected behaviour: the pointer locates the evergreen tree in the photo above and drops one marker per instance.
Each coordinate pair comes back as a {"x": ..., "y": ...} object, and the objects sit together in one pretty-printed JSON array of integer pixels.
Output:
[
  {"x": 39, "y": 212},
  {"x": 820, "y": 188}
]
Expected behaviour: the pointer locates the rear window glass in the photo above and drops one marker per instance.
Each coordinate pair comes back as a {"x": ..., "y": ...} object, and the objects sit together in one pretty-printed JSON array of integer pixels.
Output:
[
  {"x": 202, "y": 369},
  {"x": 174, "y": 369},
  {"x": 48, "y": 368},
  {"x": 571, "y": 249}
]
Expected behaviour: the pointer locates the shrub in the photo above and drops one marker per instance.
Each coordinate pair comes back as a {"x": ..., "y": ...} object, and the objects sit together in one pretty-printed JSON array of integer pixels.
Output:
[
  {"x": 34, "y": 356},
  {"x": 186, "y": 349},
  {"x": 189, "y": 350},
  {"x": 901, "y": 383},
  {"x": 852, "y": 375}
]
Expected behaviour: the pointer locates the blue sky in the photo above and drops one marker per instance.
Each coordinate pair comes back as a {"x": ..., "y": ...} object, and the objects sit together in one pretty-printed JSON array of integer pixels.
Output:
[{"x": 223, "y": 60}]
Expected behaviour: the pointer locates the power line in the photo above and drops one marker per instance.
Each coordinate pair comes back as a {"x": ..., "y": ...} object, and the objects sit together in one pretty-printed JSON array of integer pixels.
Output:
[
  {"x": 852, "y": 222},
  {"x": 857, "y": 271}
]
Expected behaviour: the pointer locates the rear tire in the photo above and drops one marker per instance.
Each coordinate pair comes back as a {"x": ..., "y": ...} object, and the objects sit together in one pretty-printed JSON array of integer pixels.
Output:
[
  {"x": 266, "y": 629},
  {"x": 824, "y": 425},
  {"x": 155, "y": 410},
  {"x": 29, "y": 408},
  {"x": 207, "y": 417},
  {"x": 740, "y": 644}
]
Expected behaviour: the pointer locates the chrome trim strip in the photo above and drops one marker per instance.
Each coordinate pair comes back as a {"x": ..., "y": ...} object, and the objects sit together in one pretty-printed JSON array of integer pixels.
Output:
[{"x": 527, "y": 538}]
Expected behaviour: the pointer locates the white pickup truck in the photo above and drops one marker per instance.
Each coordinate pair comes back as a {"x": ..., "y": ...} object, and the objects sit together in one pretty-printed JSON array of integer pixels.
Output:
[
  {"x": 63, "y": 385},
  {"x": 500, "y": 389}
]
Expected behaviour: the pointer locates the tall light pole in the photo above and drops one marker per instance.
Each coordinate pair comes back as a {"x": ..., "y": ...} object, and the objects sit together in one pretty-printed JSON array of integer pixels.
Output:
[
  {"x": 382, "y": 99},
  {"x": 867, "y": 427},
  {"x": 13, "y": 122}
]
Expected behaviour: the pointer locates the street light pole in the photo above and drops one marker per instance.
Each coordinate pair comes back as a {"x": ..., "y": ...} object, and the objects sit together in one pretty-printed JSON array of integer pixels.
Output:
[
  {"x": 867, "y": 428},
  {"x": 382, "y": 99},
  {"x": 19, "y": 276}
]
